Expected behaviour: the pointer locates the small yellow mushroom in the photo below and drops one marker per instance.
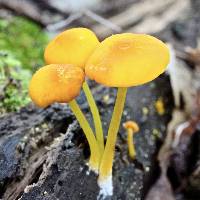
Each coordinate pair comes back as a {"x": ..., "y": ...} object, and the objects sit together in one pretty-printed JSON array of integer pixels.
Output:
[
  {"x": 159, "y": 105},
  {"x": 124, "y": 60},
  {"x": 62, "y": 83},
  {"x": 72, "y": 46},
  {"x": 131, "y": 128},
  {"x": 56, "y": 83}
]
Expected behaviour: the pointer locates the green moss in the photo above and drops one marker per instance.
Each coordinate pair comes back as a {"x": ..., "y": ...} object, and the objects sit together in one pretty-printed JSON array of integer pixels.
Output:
[
  {"x": 13, "y": 83},
  {"x": 25, "y": 40},
  {"x": 21, "y": 51}
]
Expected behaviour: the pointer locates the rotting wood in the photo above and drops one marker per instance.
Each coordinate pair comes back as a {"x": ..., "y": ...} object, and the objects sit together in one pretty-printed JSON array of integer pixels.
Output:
[{"x": 16, "y": 187}]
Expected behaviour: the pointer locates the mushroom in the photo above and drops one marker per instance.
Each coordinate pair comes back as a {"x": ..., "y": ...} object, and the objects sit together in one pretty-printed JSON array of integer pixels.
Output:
[
  {"x": 74, "y": 46},
  {"x": 124, "y": 60},
  {"x": 159, "y": 105},
  {"x": 131, "y": 128},
  {"x": 62, "y": 83}
]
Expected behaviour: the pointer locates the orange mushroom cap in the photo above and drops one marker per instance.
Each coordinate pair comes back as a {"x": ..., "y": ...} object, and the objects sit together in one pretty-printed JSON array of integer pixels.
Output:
[
  {"x": 72, "y": 46},
  {"x": 56, "y": 83},
  {"x": 125, "y": 60},
  {"x": 132, "y": 125}
]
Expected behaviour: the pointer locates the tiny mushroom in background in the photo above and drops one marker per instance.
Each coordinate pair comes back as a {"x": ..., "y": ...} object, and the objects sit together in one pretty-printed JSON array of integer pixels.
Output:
[
  {"x": 123, "y": 60},
  {"x": 62, "y": 83},
  {"x": 131, "y": 128},
  {"x": 74, "y": 46},
  {"x": 159, "y": 105}
]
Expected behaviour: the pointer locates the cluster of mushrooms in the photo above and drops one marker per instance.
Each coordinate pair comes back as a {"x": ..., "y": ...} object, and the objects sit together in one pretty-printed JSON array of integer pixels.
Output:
[{"x": 121, "y": 60}]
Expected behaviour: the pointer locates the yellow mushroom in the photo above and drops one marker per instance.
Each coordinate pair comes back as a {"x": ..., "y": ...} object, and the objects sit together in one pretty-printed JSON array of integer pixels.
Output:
[
  {"x": 74, "y": 46},
  {"x": 56, "y": 83},
  {"x": 62, "y": 83},
  {"x": 159, "y": 105},
  {"x": 124, "y": 60},
  {"x": 131, "y": 128}
]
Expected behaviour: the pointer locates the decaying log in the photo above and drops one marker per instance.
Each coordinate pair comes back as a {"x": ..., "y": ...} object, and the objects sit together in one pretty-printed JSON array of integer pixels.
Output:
[{"x": 45, "y": 162}]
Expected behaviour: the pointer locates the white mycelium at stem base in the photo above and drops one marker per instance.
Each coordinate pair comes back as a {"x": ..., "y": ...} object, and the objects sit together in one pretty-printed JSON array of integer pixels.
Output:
[
  {"x": 124, "y": 60},
  {"x": 105, "y": 170}
]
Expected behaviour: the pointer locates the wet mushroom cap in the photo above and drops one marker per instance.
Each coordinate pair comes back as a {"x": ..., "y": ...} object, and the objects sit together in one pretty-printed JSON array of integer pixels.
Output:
[
  {"x": 56, "y": 83},
  {"x": 125, "y": 60},
  {"x": 72, "y": 46}
]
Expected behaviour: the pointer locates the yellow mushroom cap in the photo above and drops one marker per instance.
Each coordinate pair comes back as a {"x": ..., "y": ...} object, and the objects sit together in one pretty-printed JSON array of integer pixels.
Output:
[
  {"x": 56, "y": 83},
  {"x": 125, "y": 60},
  {"x": 72, "y": 46},
  {"x": 132, "y": 125}
]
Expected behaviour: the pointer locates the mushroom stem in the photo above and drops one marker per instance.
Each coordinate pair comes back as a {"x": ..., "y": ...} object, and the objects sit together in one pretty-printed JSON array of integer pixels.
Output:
[
  {"x": 131, "y": 147},
  {"x": 105, "y": 171},
  {"x": 96, "y": 117},
  {"x": 131, "y": 128},
  {"x": 94, "y": 148}
]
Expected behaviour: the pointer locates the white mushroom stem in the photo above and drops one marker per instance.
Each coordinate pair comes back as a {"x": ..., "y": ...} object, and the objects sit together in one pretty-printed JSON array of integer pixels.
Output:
[{"x": 105, "y": 170}]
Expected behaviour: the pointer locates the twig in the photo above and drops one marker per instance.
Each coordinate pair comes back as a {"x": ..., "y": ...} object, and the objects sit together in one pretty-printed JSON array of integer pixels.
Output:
[
  {"x": 74, "y": 16},
  {"x": 102, "y": 21},
  {"x": 64, "y": 23}
]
